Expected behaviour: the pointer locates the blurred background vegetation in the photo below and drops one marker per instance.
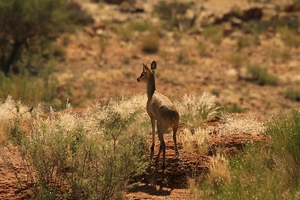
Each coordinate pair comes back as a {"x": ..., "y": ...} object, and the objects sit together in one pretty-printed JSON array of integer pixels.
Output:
[
  {"x": 30, "y": 51},
  {"x": 28, "y": 30}
]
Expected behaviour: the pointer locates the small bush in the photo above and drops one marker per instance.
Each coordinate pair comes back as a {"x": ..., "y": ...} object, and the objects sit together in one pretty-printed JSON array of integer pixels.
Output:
[
  {"x": 174, "y": 14},
  {"x": 202, "y": 48},
  {"x": 150, "y": 43},
  {"x": 237, "y": 61},
  {"x": 289, "y": 36},
  {"x": 292, "y": 94},
  {"x": 245, "y": 41},
  {"x": 14, "y": 117},
  {"x": 234, "y": 108},
  {"x": 66, "y": 39},
  {"x": 59, "y": 51},
  {"x": 261, "y": 76},
  {"x": 90, "y": 157},
  {"x": 213, "y": 33},
  {"x": 139, "y": 25},
  {"x": 125, "y": 33},
  {"x": 280, "y": 56},
  {"x": 285, "y": 56}
]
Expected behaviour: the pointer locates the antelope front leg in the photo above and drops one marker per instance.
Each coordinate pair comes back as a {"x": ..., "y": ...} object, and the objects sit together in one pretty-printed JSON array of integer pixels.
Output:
[{"x": 153, "y": 134}]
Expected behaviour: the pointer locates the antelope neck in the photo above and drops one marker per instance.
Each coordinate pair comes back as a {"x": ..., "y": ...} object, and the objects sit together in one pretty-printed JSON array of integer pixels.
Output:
[{"x": 150, "y": 86}]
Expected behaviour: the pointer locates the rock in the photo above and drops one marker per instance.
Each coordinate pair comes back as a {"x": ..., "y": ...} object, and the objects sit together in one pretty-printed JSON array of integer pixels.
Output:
[
  {"x": 131, "y": 7},
  {"x": 98, "y": 26},
  {"x": 236, "y": 22},
  {"x": 228, "y": 29},
  {"x": 252, "y": 13},
  {"x": 114, "y": 1},
  {"x": 89, "y": 31},
  {"x": 95, "y": 29},
  {"x": 270, "y": 32},
  {"x": 294, "y": 7},
  {"x": 240, "y": 16}
]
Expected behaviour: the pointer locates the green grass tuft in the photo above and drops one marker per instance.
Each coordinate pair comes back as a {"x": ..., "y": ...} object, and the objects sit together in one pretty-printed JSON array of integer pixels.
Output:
[{"x": 261, "y": 76}]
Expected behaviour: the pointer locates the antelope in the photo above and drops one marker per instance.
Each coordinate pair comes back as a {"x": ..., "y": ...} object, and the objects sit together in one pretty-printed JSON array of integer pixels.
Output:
[{"x": 160, "y": 109}]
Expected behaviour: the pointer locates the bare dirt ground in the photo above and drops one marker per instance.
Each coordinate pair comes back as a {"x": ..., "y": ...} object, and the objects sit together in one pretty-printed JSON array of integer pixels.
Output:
[{"x": 103, "y": 70}]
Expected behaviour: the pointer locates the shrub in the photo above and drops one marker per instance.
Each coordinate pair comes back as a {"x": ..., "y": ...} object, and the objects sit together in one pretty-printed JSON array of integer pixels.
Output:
[
  {"x": 174, "y": 14},
  {"x": 213, "y": 33},
  {"x": 203, "y": 50},
  {"x": 150, "y": 43},
  {"x": 12, "y": 115},
  {"x": 237, "y": 62},
  {"x": 234, "y": 108},
  {"x": 59, "y": 51},
  {"x": 261, "y": 76},
  {"x": 125, "y": 33},
  {"x": 290, "y": 37},
  {"x": 246, "y": 41},
  {"x": 92, "y": 157},
  {"x": 138, "y": 25},
  {"x": 29, "y": 88},
  {"x": 292, "y": 94}
]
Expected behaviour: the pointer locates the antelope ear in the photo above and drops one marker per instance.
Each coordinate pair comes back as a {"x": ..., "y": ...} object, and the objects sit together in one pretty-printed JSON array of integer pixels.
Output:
[
  {"x": 153, "y": 65},
  {"x": 145, "y": 68}
]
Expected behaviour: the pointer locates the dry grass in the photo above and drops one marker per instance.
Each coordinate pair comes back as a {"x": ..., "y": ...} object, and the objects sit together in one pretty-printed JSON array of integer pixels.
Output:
[
  {"x": 219, "y": 173},
  {"x": 194, "y": 108},
  {"x": 196, "y": 141},
  {"x": 242, "y": 124}
]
